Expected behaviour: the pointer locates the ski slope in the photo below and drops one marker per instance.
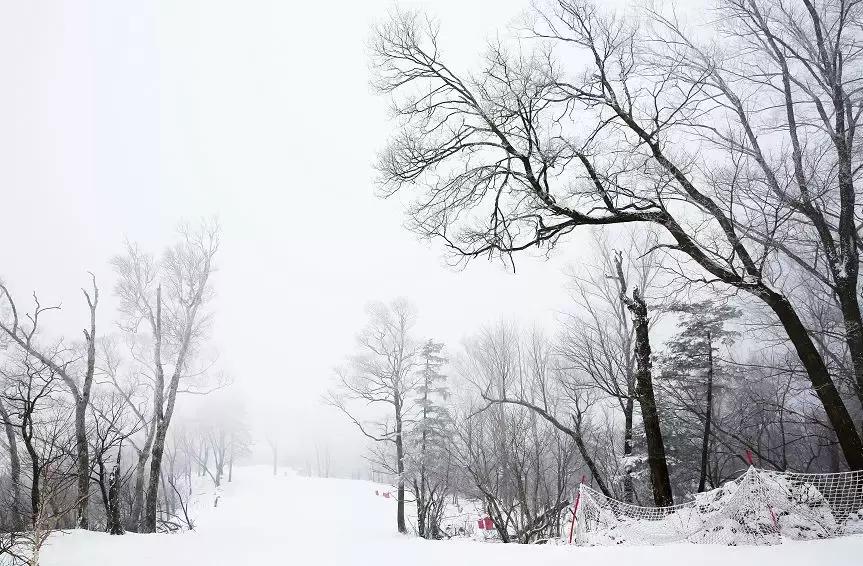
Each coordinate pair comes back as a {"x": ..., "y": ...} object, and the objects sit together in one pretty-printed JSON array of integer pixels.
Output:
[{"x": 262, "y": 519}]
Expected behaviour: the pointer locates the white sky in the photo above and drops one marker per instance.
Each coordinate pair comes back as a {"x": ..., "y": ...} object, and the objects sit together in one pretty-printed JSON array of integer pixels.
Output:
[{"x": 122, "y": 118}]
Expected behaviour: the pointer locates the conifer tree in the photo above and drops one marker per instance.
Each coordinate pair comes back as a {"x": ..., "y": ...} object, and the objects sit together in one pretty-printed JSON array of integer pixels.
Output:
[
  {"x": 691, "y": 375},
  {"x": 430, "y": 434}
]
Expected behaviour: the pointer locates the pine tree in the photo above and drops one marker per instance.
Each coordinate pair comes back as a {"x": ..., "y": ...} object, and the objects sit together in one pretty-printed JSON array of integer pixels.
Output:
[
  {"x": 429, "y": 437},
  {"x": 691, "y": 376}
]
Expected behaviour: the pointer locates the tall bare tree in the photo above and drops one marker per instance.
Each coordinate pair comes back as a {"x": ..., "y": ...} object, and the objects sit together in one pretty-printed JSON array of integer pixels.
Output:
[
  {"x": 64, "y": 362},
  {"x": 382, "y": 374},
  {"x": 522, "y": 153},
  {"x": 597, "y": 344},
  {"x": 136, "y": 392},
  {"x": 36, "y": 409},
  {"x": 167, "y": 298},
  {"x": 14, "y": 509},
  {"x": 660, "y": 480},
  {"x": 518, "y": 462}
]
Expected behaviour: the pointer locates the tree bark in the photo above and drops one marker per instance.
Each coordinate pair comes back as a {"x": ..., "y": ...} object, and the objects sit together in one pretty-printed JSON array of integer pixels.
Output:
[
  {"x": 149, "y": 521},
  {"x": 135, "y": 521},
  {"x": 400, "y": 469},
  {"x": 115, "y": 524},
  {"x": 628, "y": 488},
  {"x": 816, "y": 369},
  {"x": 164, "y": 407},
  {"x": 850, "y": 307},
  {"x": 82, "y": 400},
  {"x": 708, "y": 418},
  {"x": 82, "y": 520},
  {"x": 656, "y": 460},
  {"x": 14, "y": 468},
  {"x": 35, "y": 472}
]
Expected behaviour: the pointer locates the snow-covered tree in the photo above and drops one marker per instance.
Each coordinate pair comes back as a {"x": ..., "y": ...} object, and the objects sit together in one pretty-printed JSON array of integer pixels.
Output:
[
  {"x": 382, "y": 376},
  {"x": 691, "y": 374},
  {"x": 428, "y": 455}
]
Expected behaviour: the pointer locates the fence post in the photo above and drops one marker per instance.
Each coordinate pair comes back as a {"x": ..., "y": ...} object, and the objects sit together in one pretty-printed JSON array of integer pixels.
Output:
[{"x": 575, "y": 508}]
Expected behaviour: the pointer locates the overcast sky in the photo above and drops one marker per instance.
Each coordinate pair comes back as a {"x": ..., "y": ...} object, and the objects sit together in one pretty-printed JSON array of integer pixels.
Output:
[{"x": 120, "y": 119}]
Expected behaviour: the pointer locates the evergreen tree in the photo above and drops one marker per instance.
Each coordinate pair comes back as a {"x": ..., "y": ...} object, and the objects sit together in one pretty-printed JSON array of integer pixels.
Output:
[
  {"x": 430, "y": 433},
  {"x": 692, "y": 375}
]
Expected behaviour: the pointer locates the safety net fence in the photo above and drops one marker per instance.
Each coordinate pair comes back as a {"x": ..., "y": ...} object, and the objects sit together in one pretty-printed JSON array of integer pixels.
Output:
[{"x": 759, "y": 507}]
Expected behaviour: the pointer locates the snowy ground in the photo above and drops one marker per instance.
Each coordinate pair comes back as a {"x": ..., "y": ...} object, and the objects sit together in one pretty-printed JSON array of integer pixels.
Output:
[{"x": 263, "y": 519}]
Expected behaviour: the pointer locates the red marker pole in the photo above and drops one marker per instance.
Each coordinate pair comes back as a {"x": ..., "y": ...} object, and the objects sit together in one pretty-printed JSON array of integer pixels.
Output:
[{"x": 575, "y": 508}]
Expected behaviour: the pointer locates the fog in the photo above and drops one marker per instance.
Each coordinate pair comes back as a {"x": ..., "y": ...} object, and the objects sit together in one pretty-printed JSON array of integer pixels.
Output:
[
  {"x": 490, "y": 261},
  {"x": 123, "y": 119}
]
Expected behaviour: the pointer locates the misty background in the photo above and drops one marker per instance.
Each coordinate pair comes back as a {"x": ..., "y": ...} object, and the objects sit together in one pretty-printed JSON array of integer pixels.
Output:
[{"x": 123, "y": 119}]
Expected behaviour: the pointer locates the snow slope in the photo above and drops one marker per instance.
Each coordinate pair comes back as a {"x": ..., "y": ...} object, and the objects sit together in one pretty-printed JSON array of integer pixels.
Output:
[{"x": 289, "y": 519}]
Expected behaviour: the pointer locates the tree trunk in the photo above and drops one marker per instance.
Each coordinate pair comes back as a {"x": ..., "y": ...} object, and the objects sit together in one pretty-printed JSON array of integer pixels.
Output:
[
  {"x": 422, "y": 504},
  {"x": 135, "y": 521},
  {"x": 822, "y": 383},
  {"x": 421, "y": 510},
  {"x": 82, "y": 521},
  {"x": 35, "y": 496},
  {"x": 115, "y": 525},
  {"x": 14, "y": 468},
  {"x": 164, "y": 409},
  {"x": 628, "y": 488},
  {"x": 850, "y": 307},
  {"x": 82, "y": 400},
  {"x": 400, "y": 468},
  {"x": 656, "y": 461},
  {"x": 168, "y": 508},
  {"x": 708, "y": 418},
  {"x": 103, "y": 485},
  {"x": 149, "y": 522}
]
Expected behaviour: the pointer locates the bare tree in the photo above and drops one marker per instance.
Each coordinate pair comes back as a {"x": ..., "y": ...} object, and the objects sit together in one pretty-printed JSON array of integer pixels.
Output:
[
  {"x": 112, "y": 425},
  {"x": 501, "y": 372},
  {"x": 518, "y": 463},
  {"x": 597, "y": 345},
  {"x": 656, "y": 460},
  {"x": 525, "y": 153},
  {"x": 382, "y": 374},
  {"x": 14, "y": 509},
  {"x": 166, "y": 298},
  {"x": 137, "y": 394},
  {"x": 31, "y": 397},
  {"x": 62, "y": 362}
]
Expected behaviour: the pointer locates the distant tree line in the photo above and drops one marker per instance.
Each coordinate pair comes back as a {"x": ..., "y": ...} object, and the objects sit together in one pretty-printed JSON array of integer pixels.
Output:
[{"x": 87, "y": 439}]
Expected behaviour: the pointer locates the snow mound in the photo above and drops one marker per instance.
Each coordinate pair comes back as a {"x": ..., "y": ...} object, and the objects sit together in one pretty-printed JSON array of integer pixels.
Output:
[{"x": 759, "y": 508}]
